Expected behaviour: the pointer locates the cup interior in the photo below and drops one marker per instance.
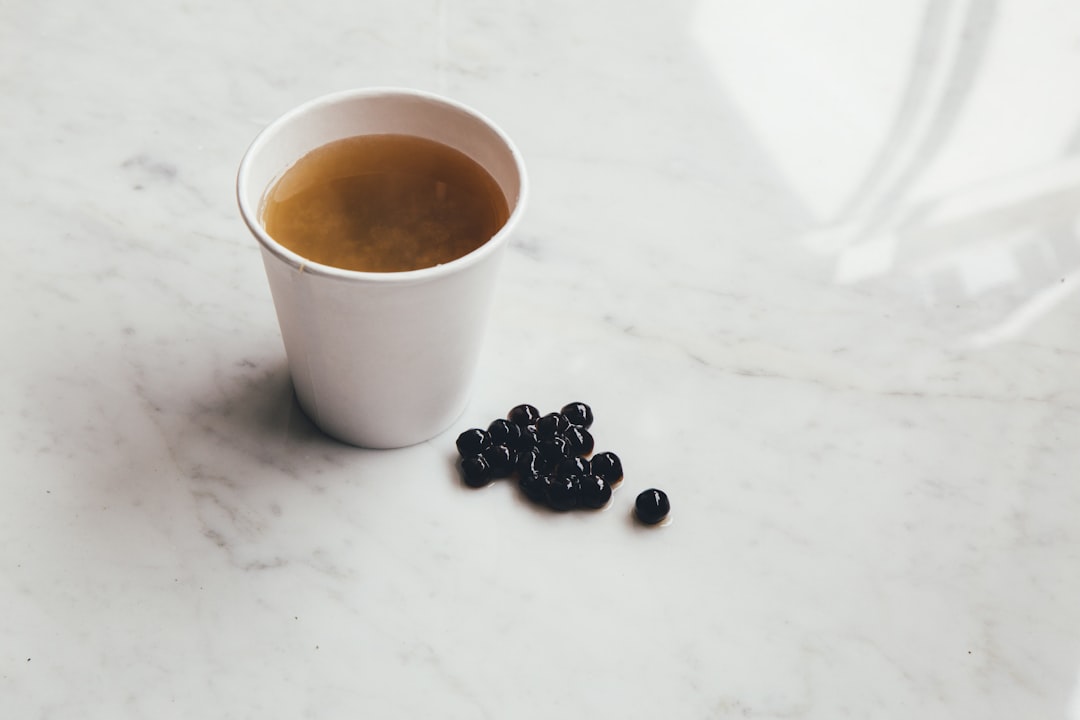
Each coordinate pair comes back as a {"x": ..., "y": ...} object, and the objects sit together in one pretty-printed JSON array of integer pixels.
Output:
[{"x": 376, "y": 111}]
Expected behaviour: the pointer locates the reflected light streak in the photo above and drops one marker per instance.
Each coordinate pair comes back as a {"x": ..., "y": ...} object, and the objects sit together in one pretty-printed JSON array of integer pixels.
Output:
[{"x": 930, "y": 141}]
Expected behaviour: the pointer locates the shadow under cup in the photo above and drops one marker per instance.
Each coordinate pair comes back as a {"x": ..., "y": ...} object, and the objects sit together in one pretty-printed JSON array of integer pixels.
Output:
[{"x": 381, "y": 360}]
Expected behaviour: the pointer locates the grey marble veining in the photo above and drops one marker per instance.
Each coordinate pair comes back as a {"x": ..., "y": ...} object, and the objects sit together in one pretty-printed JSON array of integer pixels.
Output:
[{"x": 813, "y": 266}]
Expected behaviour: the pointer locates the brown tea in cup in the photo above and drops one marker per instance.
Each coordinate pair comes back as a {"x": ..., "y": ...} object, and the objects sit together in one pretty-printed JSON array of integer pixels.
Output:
[{"x": 384, "y": 203}]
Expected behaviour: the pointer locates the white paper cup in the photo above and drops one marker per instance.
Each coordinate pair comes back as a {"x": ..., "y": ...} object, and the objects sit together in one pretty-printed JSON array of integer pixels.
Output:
[{"x": 381, "y": 360}]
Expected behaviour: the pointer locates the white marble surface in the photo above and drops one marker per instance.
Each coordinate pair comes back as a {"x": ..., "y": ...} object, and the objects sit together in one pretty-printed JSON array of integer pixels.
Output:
[{"x": 814, "y": 265}]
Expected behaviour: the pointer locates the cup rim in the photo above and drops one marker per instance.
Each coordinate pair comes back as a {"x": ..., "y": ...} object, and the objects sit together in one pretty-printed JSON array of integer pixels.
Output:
[{"x": 251, "y": 215}]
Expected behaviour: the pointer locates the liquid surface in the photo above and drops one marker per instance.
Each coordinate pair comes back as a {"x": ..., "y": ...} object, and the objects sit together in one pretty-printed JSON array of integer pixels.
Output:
[{"x": 384, "y": 203}]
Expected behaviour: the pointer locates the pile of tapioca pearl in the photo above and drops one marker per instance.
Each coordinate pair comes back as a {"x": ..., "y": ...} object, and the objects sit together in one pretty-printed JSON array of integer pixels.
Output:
[{"x": 550, "y": 455}]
